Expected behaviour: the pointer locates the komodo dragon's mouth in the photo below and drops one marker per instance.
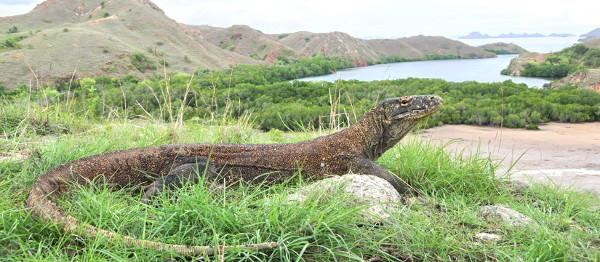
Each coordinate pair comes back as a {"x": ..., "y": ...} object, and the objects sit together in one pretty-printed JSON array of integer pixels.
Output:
[{"x": 416, "y": 113}]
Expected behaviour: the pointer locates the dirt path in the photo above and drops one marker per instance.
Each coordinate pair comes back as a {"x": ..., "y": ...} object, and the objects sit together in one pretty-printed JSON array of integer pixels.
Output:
[{"x": 564, "y": 154}]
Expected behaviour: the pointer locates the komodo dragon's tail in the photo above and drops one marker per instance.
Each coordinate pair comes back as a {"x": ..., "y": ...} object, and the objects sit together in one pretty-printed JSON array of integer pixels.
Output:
[{"x": 42, "y": 203}]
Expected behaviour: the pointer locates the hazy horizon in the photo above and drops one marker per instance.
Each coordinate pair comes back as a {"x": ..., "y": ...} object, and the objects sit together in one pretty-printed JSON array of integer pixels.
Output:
[{"x": 378, "y": 19}]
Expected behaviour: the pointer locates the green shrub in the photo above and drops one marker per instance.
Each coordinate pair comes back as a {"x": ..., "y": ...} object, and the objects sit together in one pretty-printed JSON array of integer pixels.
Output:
[
  {"x": 13, "y": 29},
  {"x": 274, "y": 102},
  {"x": 142, "y": 63},
  {"x": 548, "y": 70},
  {"x": 12, "y": 42},
  {"x": 592, "y": 58}
]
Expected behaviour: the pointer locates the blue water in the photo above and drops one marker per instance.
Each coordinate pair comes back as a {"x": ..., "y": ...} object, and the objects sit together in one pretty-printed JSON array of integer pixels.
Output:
[{"x": 485, "y": 70}]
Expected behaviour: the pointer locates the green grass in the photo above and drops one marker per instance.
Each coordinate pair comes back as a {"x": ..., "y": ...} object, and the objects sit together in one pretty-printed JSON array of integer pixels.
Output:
[{"x": 321, "y": 229}]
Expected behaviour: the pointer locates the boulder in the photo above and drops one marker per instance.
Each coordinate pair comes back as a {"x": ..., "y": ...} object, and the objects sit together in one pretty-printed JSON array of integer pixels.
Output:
[
  {"x": 378, "y": 195},
  {"x": 487, "y": 238},
  {"x": 505, "y": 215}
]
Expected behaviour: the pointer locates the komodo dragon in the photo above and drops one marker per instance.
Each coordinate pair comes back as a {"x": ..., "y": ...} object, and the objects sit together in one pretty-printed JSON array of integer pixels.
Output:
[{"x": 353, "y": 149}]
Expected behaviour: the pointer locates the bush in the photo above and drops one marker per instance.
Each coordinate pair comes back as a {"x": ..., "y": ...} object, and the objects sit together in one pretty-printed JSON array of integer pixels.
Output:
[
  {"x": 13, "y": 29},
  {"x": 274, "y": 102},
  {"x": 592, "y": 58},
  {"x": 142, "y": 63},
  {"x": 548, "y": 70},
  {"x": 12, "y": 42}
]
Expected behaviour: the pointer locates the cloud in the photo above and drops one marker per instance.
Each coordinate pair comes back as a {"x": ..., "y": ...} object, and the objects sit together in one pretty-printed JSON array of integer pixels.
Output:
[
  {"x": 389, "y": 18},
  {"x": 16, "y": 7},
  {"x": 19, "y": 2}
]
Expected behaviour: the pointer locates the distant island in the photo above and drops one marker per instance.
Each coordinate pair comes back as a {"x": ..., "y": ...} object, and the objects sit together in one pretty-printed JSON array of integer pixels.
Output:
[
  {"x": 501, "y": 48},
  {"x": 478, "y": 35}
]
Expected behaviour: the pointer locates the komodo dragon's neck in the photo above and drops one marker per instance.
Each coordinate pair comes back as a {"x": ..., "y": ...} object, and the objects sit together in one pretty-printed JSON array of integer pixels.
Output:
[{"x": 369, "y": 137}]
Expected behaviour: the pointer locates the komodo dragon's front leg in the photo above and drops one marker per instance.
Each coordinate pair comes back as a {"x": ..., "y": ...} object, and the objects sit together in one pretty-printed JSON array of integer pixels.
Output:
[
  {"x": 183, "y": 172},
  {"x": 368, "y": 167}
]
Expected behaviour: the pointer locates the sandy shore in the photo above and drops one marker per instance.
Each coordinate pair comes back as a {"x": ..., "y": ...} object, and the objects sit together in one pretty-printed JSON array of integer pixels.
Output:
[{"x": 564, "y": 154}]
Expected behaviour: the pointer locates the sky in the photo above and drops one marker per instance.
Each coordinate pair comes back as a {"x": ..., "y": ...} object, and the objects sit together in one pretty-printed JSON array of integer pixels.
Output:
[{"x": 379, "y": 18}]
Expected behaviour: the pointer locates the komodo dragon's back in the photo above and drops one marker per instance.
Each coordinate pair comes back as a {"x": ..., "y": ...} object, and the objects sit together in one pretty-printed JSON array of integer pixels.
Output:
[{"x": 353, "y": 149}]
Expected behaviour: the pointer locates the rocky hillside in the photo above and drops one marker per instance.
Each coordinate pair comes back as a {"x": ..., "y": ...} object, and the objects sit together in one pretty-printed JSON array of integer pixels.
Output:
[
  {"x": 516, "y": 66},
  {"x": 243, "y": 40},
  {"x": 62, "y": 38},
  {"x": 589, "y": 79},
  {"x": 501, "y": 48},
  {"x": 592, "y": 34},
  {"x": 592, "y": 43},
  {"x": 331, "y": 44},
  {"x": 251, "y": 42},
  {"x": 364, "y": 51},
  {"x": 578, "y": 65},
  {"x": 425, "y": 47}
]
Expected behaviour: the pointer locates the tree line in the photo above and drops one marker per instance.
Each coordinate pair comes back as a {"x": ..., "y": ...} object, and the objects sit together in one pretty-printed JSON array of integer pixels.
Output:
[{"x": 267, "y": 95}]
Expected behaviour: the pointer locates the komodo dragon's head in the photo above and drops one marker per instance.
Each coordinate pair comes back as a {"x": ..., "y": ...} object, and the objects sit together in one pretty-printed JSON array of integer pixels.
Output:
[
  {"x": 399, "y": 115},
  {"x": 409, "y": 108}
]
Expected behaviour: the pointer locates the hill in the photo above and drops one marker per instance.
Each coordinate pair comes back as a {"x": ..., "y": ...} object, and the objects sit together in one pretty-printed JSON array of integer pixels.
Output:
[
  {"x": 577, "y": 65},
  {"x": 251, "y": 42},
  {"x": 426, "y": 47},
  {"x": 501, "y": 48},
  {"x": 592, "y": 42},
  {"x": 377, "y": 50},
  {"x": 243, "y": 40},
  {"x": 60, "y": 38},
  {"x": 589, "y": 79},
  {"x": 592, "y": 34},
  {"x": 331, "y": 44}
]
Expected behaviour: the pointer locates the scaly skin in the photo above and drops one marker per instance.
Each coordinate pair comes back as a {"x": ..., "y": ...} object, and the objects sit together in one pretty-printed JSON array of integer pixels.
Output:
[{"x": 353, "y": 149}]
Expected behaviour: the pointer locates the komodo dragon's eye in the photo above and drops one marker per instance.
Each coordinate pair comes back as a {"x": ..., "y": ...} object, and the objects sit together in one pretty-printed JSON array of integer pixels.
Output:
[{"x": 404, "y": 102}]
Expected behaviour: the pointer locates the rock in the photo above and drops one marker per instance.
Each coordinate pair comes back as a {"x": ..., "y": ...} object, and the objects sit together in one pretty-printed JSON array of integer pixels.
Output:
[
  {"x": 519, "y": 186},
  {"x": 506, "y": 215},
  {"x": 10, "y": 156},
  {"x": 374, "y": 192},
  {"x": 487, "y": 238}
]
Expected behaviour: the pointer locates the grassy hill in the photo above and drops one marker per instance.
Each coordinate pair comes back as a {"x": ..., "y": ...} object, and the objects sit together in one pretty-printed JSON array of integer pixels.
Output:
[
  {"x": 331, "y": 44},
  {"x": 501, "y": 48},
  {"x": 243, "y": 40},
  {"x": 576, "y": 65},
  {"x": 60, "y": 40},
  {"x": 92, "y": 38},
  {"x": 377, "y": 50},
  {"x": 591, "y": 35},
  {"x": 425, "y": 47},
  {"x": 251, "y": 42}
]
